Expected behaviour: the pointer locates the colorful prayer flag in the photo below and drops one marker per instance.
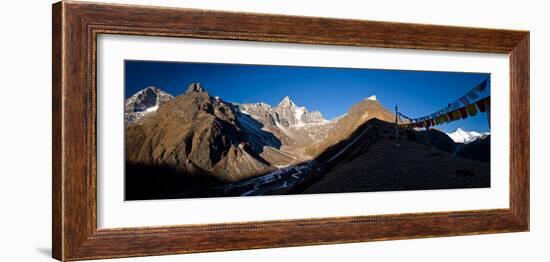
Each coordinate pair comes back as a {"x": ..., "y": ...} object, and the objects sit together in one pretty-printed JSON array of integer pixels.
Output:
[
  {"x": 464, "y": 100},
  {"x": 463, "y": 112},
  {"x": 438, "y": 120},
  {"x": 451, "y": 116},
  {"x": 472, "y": 95},
  {"x": 472, "y": 110},
  {"x": 455, "y": 105},
  {"x": 481, "y": 105},
  {"x": 456, "y": 115},
  {"x": 445, "y": 118},
  {"x": 481, "y": 87}
]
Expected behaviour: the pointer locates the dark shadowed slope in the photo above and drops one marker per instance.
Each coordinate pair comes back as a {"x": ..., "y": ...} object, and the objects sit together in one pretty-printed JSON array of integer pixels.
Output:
[
  {"x": 370, "y": 160},
  {"x": 437, "y": 139},
  {"x": 478, "y": 150}
]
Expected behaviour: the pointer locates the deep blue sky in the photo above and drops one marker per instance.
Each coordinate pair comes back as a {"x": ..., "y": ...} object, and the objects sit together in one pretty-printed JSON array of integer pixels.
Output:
[{"x": 330, "y": 90}]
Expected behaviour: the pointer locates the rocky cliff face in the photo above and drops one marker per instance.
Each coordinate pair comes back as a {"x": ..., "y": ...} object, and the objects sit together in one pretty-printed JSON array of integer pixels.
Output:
[
  {"x": 291, "y": 115},
  {"x": 144, "y": 102},
  {"x": 295, "y": 126},
  {"x": 286, "y": 114},
  {"x": 195, "y": 88}
]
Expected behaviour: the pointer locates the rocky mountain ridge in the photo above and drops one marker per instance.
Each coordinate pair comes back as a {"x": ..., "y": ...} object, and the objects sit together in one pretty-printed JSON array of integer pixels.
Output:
[{"x": 144, "y": 102}]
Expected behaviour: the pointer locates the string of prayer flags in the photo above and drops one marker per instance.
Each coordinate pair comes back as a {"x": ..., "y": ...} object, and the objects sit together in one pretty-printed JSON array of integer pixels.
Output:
[
  {"x": 446, "y": 116},
  {"x": 468, "y": 98},
  {"x": 466, "y": 106},
  {"x": 408, "y": 118}
]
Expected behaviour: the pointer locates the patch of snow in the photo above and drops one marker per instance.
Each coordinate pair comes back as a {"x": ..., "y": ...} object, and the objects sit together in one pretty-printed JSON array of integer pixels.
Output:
[
  {"x": 287, "y": 102},
  {"x": 249, "y": 125},
  {"x": 298, "y": 113},
  {"x": 338, "y": 117},
  {"x": 462, "y": 136},
  {"x": 371, "y": 98},
  {"x": 152, "y": 109},
  {"x": 243, "y": 110}
]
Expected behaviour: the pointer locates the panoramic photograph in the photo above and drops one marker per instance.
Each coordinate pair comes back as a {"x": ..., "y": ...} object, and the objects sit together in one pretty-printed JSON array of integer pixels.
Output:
[{"x": 199, "y": 130}]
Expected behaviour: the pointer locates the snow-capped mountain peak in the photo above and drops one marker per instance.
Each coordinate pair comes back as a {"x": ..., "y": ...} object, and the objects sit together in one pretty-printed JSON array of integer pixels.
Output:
[
  {"x": 144, "y": 102},
  {"x": 285, "y": 114},
  {"x": 371, "y": 98},
  {"x": 286, "y": 102},
  {"x": 463, "y": 136}
]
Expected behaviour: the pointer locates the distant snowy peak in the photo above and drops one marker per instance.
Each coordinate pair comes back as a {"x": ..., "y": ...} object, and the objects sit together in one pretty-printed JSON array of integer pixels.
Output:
[
  {"x": 287, "y": 103},
  {"x": 145, "y": 99},
  {"x": 285, "y": 114},
  {"x": 144, "y": 102},
  {"x": 462, "y": 136},
  {"x": 292, "y": 115},
  {"x": 371, "y": 98}
]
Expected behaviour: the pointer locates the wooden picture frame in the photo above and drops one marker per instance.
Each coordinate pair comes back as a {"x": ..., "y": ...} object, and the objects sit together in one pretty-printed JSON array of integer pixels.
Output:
[{"x": 76, "y": 26}]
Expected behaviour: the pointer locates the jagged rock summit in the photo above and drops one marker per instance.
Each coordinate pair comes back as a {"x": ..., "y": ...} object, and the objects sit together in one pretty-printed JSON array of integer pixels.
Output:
[
  {"x": 291, "y": 115},
  {"x": 144, "y": 102},
  {"x": 287, "y": 103},
  {"x": 195, "y": 87}
]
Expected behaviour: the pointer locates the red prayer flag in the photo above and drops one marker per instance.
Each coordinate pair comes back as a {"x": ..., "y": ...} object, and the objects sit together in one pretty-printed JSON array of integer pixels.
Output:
[
  {"x": 482, "y": 104},
  {"x": 464, "y": 100},
  {"x": 451, "y": 116},
  {"x": 463, "y": 112}
]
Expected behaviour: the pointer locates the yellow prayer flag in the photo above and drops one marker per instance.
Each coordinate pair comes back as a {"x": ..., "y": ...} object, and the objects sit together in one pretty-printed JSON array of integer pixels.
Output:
[
  {"x": 445, "y": 118},
  {"x": 472, "y": 110},
  {"x": 456, "y": 115}
]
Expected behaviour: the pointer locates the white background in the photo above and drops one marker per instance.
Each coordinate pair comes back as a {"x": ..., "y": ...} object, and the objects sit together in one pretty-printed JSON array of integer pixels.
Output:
[
  {"x": 114, "y": 212},
  {"x": 25, "y": 136}
]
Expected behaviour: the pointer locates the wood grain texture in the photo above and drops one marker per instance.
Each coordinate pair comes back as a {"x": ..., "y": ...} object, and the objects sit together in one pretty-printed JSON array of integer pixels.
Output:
[
  {"x": 57, "y": 191},
  {"x": 76, "y": 26},
  {"x": 519, "y": 129}
]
